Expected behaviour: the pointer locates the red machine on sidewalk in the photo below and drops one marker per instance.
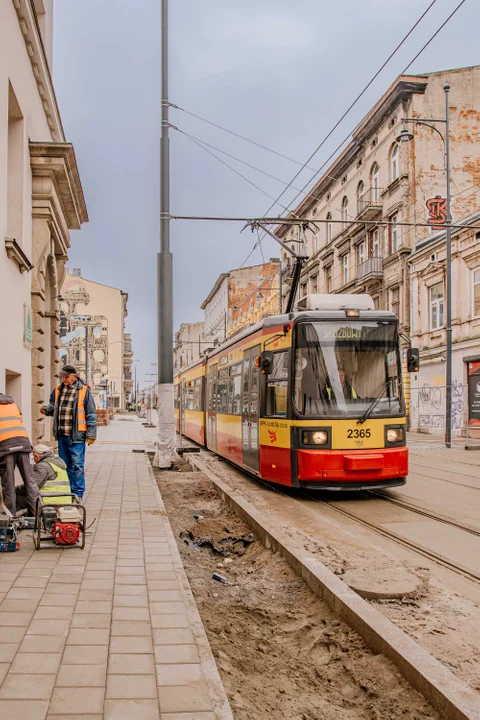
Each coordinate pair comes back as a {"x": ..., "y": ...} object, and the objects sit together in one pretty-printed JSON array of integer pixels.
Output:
[{"x": 62, "y": 524}]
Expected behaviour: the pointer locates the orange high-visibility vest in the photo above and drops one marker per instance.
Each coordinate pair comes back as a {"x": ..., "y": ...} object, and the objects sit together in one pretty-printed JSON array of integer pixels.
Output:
[
  {"x": 81, "y": 418},
  {"x": 11, "y": 423}
]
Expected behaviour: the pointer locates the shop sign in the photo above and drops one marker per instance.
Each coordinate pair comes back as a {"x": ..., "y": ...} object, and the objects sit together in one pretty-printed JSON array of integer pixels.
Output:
[
  {"x": 474, "y": 394},
  {"x": 437, "y": 209}
]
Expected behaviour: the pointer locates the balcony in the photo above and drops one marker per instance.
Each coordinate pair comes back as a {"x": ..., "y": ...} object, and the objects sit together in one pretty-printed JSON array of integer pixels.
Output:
[
  {"x": 370, "y": 268},
  {"x": 369, "y": 204}
]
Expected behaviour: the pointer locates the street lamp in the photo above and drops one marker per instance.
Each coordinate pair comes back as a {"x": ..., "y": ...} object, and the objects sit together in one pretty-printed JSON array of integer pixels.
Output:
[{"x": 406, "y": 136}]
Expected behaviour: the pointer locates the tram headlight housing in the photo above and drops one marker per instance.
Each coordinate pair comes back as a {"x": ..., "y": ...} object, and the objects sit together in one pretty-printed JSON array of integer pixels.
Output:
[
  {"x": 315, "y": 437},
  {"x": 395, "y": 435}
]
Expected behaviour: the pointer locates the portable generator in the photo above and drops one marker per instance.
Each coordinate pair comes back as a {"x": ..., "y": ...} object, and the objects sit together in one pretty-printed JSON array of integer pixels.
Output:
[{"x": 60, "y": 524}]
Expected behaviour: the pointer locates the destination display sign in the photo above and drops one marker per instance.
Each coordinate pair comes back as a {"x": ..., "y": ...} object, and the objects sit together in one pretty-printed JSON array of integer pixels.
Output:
[{"x": 348, "y": 332}]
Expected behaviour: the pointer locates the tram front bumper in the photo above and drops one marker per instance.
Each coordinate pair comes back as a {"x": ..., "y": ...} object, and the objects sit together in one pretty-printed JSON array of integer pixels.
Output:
[{"x": 352, "y": 466}]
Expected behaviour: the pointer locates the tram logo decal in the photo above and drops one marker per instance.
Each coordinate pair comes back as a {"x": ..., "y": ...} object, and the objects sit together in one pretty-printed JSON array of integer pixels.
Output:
[{"x": 273, "y": 436}]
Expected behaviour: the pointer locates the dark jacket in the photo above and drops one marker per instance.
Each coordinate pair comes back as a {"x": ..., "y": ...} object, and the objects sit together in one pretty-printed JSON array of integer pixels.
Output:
[
  {"x": 90, "y": 415},
  {"x": 43, "y": 472},
  {"x": 12, "y": 445}
]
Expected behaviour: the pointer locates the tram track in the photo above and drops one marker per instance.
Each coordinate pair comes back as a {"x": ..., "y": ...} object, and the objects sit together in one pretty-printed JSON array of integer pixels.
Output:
[
  {"x": 416, "y": 547},
  {"x": 423, "y": 667},
  {"x": 410, "y": 544}
]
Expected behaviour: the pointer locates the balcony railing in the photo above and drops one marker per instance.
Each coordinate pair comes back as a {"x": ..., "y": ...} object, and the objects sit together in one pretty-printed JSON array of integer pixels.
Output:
[
  {"x": 369, "y": 204},
  {"x": 370, "y": 268}
]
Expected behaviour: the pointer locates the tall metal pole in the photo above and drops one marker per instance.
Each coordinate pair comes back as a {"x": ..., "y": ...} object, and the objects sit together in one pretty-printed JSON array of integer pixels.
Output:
[
  {"x": 166, "y": 417},
  {"x": 448, "y": 237},
  {"x": 86, "y": 353}
]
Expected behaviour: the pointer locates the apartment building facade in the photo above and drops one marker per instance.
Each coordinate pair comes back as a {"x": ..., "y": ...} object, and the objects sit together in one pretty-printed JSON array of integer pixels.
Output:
[
  {"x": 241, "y": 297},
  {"x": 189, "y": 344},
  {"x": 359, "y": 243},
  {"x": 428, "y": 294},
  {"x": 93, "y": 337},
  {"x": 41, "y": 200}
]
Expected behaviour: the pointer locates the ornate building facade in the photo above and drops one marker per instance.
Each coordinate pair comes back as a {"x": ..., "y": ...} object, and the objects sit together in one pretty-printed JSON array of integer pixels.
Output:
[{"x": 41, "y": 200}]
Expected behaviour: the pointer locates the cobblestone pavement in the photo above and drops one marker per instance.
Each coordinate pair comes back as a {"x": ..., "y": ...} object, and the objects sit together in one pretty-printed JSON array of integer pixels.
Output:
[{"x": 111, "y": 632}]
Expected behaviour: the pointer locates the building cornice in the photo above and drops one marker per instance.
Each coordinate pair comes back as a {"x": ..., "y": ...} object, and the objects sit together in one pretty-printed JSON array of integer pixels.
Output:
[
  {"x": 38, "y": 58},
  {"x": 214, "y": 290},
  {"x": 57, "y": 162},
  {"x": 399, "y": 91}
]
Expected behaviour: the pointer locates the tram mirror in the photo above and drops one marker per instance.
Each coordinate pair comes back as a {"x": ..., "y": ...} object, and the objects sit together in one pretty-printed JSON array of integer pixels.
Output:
[{"x": 267, "y": 362}]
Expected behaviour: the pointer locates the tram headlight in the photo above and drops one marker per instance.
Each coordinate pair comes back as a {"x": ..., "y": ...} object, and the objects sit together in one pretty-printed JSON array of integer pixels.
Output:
[
  {"x": 396, "y": 435},
  {"x": 315, "y": 437}
]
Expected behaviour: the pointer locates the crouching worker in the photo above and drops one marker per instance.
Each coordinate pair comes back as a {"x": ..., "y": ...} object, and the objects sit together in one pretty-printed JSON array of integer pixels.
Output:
[
  {"x": 50, "y": 474},
  {"x": 15, "y": 449}
]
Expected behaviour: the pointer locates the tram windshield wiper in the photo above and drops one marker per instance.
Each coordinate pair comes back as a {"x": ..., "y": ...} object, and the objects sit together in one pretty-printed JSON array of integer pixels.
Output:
[{"x": 373, "y": 405}]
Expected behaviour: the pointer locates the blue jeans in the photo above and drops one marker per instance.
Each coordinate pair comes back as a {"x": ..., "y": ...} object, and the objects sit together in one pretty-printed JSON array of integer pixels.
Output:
[{"x": 73, "y": 455}]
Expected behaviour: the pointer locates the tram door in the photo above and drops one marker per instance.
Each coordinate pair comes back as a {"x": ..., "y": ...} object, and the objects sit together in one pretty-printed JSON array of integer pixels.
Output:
[
  {"x": 250, "y": 408},
  {"x": 212, "y": 382}
]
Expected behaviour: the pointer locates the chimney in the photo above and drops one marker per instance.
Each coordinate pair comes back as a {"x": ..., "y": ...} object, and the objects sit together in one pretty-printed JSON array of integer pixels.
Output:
[{"x": 76, "y": 272}]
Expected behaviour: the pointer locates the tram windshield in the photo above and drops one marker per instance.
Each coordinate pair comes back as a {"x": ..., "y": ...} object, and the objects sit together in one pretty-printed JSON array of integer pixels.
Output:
[{"x": 347, "y": 368}]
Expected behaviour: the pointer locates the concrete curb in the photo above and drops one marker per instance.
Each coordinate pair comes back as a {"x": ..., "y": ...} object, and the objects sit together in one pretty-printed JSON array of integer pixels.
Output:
[
  {"x": 209, "y": 667},
  {"x": 447, "y": 693}
]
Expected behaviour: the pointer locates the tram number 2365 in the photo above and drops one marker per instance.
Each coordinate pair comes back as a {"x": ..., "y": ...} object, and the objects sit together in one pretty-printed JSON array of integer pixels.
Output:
[{"x": 359, "y": 433}]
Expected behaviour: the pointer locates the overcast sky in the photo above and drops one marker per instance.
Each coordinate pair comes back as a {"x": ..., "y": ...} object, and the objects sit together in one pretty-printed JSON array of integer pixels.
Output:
[{"x": 280, "y": 72}]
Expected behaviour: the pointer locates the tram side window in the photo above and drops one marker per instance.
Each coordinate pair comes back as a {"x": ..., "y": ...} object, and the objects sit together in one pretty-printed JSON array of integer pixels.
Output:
[
  {"x": 210, "y": 393},
  {"x": 222, "y": 391},
  {"x": 277, "y": 383},
  {"x": 188, "y": 396},
  {"x": 235, "y": 390},
  {"x": 197, "y": 388},
  {"x": 177, "y": 397}
]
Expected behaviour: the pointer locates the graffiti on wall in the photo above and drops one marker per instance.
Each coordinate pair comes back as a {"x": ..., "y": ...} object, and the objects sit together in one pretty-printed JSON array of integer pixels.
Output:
[{"x": 432, "y": 406}]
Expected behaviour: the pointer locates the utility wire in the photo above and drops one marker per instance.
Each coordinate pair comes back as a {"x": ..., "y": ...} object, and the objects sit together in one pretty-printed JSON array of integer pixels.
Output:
[
  {"x": 352, "y": 105},
  {"x": 233, "y": 157},
  {"x": 242, "y": 137},
  {"x": 402, "y": 73},
  {"x": 232, "y": 169},
  {"x": 342, "y": 118}
]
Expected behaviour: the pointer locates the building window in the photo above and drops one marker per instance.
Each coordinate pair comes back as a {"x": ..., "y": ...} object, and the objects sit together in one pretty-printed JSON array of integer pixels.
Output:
[
  {"x": 376, "y": 302},
  {"x": 314, "y": 284},
  {"x": 395, "y": 237},
  {"x": 328, "y": 279},
  {"x": 375, "y": 182},
  {"x": 361, "y": 252},
  {"x": 345, "y": 212},
  {"x": 436, "y": 306},
  {"x": 315, "y": 243},
  {"x": 394, "y": 162},
  {"x": 303, "y": 289},
  {"x": 476, "y": 293},
  {"x": 395, "y": 301},
  {"x": 374, "y": 243},
  {"x": 344, "y": 268},
  {"x": 329, "y": 228},
  {"x": 360, "y": 194}
]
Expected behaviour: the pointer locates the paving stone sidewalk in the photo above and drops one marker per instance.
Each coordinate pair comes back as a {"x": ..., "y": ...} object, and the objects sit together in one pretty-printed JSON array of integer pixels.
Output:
[{"x": 111, "y": 632}]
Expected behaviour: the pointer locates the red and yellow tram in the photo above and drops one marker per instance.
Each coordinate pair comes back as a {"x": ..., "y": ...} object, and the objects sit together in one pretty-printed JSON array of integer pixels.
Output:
[{"x": 312, "y": 399}]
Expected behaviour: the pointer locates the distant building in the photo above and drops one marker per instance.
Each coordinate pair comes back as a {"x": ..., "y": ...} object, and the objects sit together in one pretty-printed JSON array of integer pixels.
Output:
[
  {"x": 94, "y": 339},
  {"x": 189, "y": 344},
  {"x": 41, "y": 200},
  {"x": 427, "y": 279},
  {"x": 241, "y": 297}
]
